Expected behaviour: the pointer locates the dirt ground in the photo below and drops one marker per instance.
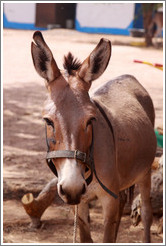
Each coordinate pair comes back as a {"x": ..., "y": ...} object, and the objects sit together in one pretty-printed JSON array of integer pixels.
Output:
[{"x": 24, "y": 167}]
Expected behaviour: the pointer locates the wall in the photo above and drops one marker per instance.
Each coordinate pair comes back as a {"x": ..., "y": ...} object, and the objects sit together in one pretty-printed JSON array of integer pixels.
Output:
[
  {"x": 112, "y": 18},
  {"x": 19, "y": 15}
]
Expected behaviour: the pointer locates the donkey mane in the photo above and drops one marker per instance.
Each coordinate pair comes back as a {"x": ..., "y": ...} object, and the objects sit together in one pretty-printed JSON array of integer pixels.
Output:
[{"x": 71, "y": 63}]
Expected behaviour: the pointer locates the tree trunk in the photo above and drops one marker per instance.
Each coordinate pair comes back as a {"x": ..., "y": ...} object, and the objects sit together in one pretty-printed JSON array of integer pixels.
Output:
[
  {"x": 156, "y": 194},
  {"x": 35, "y": 207}
]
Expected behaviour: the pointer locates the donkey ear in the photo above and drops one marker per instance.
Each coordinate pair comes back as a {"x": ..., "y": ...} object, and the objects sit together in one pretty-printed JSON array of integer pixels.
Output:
[
  {"x": 43, "y": 59},
  {"x": 97, "y": 61}
]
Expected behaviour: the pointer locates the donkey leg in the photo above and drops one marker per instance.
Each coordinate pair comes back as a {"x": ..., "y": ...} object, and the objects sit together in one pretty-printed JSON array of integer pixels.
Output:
[
  {"x": 84, "y": 223},
  {"x": 122, "y": 202},
  {"x": 146, "y": 208},
  {"x": 110, "y": 213}
]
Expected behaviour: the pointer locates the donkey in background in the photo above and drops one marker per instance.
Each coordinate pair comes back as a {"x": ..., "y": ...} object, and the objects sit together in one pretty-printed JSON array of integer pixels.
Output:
[
  {"x": 98, "y": 146},
  {"x": 156, "y": 25}
]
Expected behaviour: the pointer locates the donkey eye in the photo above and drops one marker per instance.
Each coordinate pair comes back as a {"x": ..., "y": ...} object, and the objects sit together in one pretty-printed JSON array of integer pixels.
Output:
[{"x": 49, "y": 122}]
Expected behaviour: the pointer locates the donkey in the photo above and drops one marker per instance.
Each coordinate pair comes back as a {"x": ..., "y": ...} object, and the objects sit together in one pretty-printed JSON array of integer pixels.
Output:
[
  {"x": 156, "y": 25},
  {"x": 98, "y": 146}
]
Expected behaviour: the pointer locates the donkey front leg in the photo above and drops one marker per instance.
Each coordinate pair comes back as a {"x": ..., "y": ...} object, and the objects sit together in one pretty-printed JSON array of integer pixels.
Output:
[
  {"x": 111, "y": 215},
  {"x": 122, "y": 202},
  {"x": 84, "y": 223},
  {"x": 146, "y": 208}
]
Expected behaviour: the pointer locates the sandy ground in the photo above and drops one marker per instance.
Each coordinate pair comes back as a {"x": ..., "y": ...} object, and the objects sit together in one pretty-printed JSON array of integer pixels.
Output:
[{"x": 24, "y": 168}]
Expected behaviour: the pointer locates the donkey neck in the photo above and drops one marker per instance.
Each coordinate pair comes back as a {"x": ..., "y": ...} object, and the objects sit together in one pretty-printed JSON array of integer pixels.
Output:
[{"x": 104, "y": 131}]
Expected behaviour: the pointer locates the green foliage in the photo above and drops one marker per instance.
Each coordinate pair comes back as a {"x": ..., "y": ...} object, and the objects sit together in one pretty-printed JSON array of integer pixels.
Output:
[{"x": 151, "y": 6}]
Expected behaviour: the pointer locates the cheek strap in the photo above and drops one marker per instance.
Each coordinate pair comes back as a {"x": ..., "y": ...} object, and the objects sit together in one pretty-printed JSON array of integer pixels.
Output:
[{"x": 78, "y": 155}]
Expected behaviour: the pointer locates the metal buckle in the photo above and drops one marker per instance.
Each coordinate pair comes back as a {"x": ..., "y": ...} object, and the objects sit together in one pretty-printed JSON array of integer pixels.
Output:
[
  {"x": 82, "y": 156},
  {"x": 75, "y": 154}
]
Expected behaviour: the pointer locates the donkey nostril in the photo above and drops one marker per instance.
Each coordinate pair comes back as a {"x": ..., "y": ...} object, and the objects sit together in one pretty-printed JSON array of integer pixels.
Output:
[
  {"x": 62, "y": 191},
  {"x": 83, "y": 189}
]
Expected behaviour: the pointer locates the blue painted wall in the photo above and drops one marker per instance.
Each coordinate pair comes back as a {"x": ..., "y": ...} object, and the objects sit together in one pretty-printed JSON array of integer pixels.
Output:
[
  {"x": 136, "y": 22},
  {"x": 16, "y": 25}
]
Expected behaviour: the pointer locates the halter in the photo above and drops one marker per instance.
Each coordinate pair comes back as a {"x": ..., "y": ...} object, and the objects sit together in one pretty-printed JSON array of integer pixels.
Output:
[
  {"x": 71, "y": 154},
  {"x": 79, "y": 155}
]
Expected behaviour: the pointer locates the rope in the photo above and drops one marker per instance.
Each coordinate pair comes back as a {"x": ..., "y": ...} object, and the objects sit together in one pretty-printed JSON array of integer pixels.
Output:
[{"x": 75, "y": 223}]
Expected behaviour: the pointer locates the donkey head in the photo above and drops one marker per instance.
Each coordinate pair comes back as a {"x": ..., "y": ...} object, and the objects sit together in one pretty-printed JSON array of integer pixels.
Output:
[{"x": 68, "y": 111}]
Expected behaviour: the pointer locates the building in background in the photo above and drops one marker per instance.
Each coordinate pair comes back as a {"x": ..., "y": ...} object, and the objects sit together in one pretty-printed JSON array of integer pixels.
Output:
[
  {"x": 19, "y": 15},
  {"x": 109, "y": 18},
  {"x": 38, "y": 16}
]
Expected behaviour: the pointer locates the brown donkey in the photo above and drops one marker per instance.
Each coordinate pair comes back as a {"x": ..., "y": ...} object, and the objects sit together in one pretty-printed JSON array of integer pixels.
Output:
[{"x": 98, "y": 146}]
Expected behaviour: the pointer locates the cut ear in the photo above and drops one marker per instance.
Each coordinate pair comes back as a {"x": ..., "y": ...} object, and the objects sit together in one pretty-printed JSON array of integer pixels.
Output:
[
  {"x": 97, "y": 61},
  {"x": 43, "y": 59}
]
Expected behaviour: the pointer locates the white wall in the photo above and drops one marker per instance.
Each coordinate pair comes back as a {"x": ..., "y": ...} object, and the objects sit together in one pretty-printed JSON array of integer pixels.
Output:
[
  {"x": 20, "y": 12},
  {"x": 108, "y": 15}
]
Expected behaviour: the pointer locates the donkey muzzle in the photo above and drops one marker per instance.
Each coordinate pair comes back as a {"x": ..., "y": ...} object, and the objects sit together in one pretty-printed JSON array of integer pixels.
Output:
[{"x": 71, "y": 154}]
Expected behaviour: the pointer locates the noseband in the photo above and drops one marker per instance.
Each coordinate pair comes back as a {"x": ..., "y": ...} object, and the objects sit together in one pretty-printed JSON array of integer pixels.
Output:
[
  {"x": 79, "y": 156},
  {"x": 71, "y": 154}
]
